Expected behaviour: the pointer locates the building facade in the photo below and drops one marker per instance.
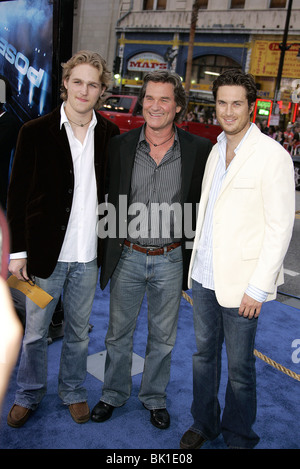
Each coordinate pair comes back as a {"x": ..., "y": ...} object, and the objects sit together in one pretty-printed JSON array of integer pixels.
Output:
[
  {"x": 155, "y": 34},
  {"x": 94, "y": 27}
]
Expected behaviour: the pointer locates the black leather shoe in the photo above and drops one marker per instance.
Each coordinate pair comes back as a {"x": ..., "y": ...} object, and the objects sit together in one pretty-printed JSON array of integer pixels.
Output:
[
  {"x": 192, "y": 440},
  {"x": 102, "y": 412},
  {"x": 160, "y": 418}
]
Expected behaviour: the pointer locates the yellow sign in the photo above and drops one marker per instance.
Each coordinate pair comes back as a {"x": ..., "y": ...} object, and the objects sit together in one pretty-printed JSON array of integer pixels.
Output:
[{"x": 265, "y": 60}]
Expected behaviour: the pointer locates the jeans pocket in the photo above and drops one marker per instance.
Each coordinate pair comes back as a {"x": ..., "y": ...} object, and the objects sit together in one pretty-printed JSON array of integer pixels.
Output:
[
  {"x": 175, "y": 255},
  {"x": 126, "y": 252}
]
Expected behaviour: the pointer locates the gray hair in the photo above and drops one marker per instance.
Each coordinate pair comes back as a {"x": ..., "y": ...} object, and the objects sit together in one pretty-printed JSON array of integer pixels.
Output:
[{"x": 166, "y": 76}]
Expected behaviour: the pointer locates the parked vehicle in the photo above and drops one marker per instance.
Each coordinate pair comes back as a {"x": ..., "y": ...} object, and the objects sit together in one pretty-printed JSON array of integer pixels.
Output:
[{"x": 123, "y": 111}]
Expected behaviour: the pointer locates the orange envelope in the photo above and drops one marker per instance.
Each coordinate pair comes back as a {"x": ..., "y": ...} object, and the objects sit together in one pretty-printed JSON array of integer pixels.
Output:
[{"x": 35, "y": 293}]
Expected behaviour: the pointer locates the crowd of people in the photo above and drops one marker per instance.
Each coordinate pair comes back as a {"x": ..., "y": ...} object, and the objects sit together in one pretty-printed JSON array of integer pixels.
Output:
[
  {"x": 65, "y": 164},
  {"x": 199, "y": 115},
  {"x": 288, "y": 137}
]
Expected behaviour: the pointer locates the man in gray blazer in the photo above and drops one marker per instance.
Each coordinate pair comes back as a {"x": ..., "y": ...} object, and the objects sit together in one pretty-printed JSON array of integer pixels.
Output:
[
  {"x": 57, "y": 182},
  {"x": 153, "y": 166}
]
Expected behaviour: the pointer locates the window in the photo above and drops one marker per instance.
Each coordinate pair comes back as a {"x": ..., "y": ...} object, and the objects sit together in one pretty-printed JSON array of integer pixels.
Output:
[
  {"x": 206, "y": 68},
  {"x": 161, "y": 4},
  {"x": 155, "y": 4},
  {"x": 277, "y": 3},
  {"x": 237, "y": 4},
  {"x": 148, "y": 5},
  {"x": 117, "y": 104},
  {"x": 202, "y": 4}
]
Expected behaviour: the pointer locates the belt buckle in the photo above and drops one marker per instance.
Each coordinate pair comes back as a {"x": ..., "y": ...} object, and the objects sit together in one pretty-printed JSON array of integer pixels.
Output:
[{"x": 151, "y": 250}]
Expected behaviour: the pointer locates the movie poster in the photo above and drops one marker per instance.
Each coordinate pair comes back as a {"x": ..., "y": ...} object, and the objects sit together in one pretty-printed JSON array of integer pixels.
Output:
[{"x": 26, "y": 47}]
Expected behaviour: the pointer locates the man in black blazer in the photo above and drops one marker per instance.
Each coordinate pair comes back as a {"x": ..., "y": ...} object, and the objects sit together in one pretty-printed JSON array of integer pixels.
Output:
[
  {"x": 56, "y": 185},
  {"x": 156, "y": 167}
]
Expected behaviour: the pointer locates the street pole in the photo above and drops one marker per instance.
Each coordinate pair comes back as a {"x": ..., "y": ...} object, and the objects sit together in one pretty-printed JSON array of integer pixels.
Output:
[
  {"x": 189, "y": 62},
  {"x": 283, "y": 48}
]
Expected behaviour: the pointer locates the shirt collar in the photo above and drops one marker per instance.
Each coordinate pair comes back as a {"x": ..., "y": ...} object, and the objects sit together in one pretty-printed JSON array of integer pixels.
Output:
[
  {"x": 222, "y": 139},
  {"x": 222, "y": 142},
  {"x": 64, "y": 119},
  {"x": 245, "y": 136}
]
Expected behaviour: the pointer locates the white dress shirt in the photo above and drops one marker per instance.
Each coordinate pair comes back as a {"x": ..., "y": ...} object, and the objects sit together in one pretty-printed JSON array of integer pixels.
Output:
[
  {"x": 202, "y": 270},
  {"x": 80, "y": 242}
]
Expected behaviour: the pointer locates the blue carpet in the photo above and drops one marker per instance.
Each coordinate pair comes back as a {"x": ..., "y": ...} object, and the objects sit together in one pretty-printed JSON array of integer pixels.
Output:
[{"x": 278, "y": 416}]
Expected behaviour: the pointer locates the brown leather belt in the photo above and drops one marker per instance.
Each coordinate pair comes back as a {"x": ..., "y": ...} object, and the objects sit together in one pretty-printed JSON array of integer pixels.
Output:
[{"x": 152, "y": 251}]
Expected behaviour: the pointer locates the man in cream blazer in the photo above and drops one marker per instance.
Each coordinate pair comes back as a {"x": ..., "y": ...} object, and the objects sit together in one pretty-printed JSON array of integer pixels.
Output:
[{"x": 244, "y": 227}]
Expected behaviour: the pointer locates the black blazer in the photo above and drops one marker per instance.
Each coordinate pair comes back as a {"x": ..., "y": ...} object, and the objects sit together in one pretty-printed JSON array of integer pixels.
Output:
[
  {"x": 41, "y": 189},
  {"x": 194, "y": 153}
]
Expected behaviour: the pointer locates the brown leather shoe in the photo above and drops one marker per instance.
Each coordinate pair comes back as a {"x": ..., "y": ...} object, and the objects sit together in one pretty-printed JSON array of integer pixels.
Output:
[
  {"x": 192, "y": 440},
  {"x": 18, "y": 415},
  {"x": 80, "y": 412}
]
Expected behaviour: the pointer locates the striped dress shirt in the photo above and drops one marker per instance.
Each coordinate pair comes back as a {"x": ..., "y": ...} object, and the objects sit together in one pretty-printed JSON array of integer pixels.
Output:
[
  {"x": 202, "y": 270},
  {"x": 154, "y": 217}
]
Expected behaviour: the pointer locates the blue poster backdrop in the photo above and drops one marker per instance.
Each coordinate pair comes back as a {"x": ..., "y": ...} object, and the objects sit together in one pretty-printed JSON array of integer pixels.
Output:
[{"x": 26, "y": 48}]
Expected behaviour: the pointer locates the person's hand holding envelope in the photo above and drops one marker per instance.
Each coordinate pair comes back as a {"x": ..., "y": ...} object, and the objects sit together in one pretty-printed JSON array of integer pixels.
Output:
[{"x": 31, "y": 290}]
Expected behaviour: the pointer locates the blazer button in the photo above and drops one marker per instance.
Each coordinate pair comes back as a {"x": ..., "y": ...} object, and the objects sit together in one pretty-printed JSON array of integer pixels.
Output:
[
  {"x": 63, "y": 228},
  {"x": 67, "y": 209}
]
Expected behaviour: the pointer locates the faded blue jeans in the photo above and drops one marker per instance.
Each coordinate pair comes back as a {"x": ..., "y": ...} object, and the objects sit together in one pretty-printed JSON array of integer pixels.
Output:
[
  {"x": 160, "y": 277},
  {"x": 212, "y": 324},
  {"x": 78, "y": 282}
]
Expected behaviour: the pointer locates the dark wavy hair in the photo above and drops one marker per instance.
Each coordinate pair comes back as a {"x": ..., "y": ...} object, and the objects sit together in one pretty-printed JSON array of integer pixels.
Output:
[
  {"x": 90, "y": 58},
  {"x": 236, "y": 77},
  {"x": 166, "y": 76}
]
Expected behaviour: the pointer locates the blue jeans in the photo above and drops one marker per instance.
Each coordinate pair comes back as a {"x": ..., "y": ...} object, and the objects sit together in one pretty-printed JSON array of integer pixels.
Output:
[
  {"x": 78, "y": 282},
  {"x": 160, "y": 277},
  {"x": 212, "y": 324}
]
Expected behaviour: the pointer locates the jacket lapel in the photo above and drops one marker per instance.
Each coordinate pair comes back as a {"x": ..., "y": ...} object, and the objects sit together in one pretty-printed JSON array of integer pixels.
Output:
[
  {"x": 59, "y": 134},
  {"x": 244, "y": 153},
  {"x": 127, "y": 156},
  {"x": 208, "y": 179},
  {"x": 100, "y": 137},
  {"x": 188, "y": 155}
]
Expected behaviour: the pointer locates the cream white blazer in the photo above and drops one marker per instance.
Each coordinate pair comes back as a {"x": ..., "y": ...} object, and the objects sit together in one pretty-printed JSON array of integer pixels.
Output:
[{"x": 253, "y": 218}]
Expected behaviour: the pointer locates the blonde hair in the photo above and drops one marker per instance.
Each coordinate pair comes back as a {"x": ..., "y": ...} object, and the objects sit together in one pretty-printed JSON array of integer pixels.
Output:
[{"x": 91, "y": 58}]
